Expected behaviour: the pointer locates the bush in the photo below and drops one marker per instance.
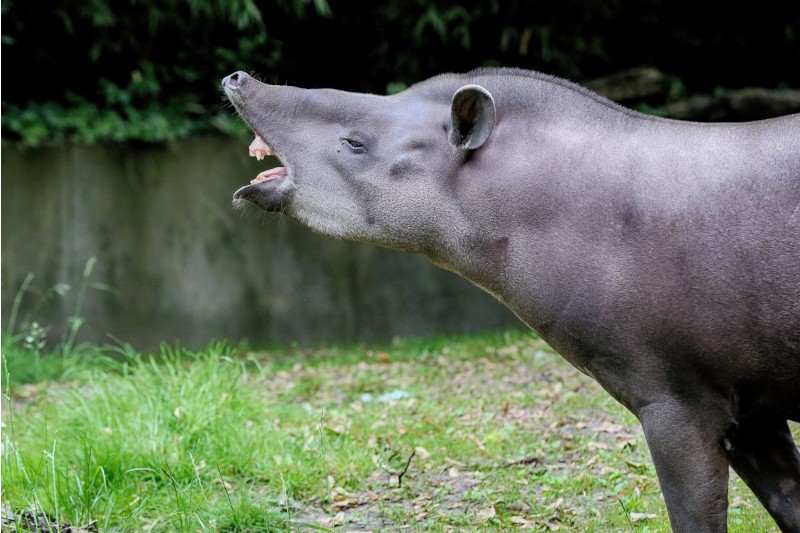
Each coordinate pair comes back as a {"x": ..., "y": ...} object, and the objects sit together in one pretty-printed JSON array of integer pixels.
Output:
[{"x": 150, "y": 71}]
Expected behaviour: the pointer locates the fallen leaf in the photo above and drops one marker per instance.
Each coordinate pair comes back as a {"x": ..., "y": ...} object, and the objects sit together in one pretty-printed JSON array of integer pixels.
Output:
[
  {"x": 556, "y": 504},
  {"x": 484, "y": 515},
  {"x": 738, "y": 502},
  {"x": 339, "y": 504},
  {"x": 422, "y": 453},
  {"x": 625, "y": 439},
  {"x": 522, "y": 522},
  {"x": 608, "y": 427},
  {"x": 479, "y": 444}
]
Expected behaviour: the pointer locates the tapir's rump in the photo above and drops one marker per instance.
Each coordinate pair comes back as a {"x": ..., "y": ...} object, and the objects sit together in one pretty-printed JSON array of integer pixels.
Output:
[{"x": 660, "y": 257}]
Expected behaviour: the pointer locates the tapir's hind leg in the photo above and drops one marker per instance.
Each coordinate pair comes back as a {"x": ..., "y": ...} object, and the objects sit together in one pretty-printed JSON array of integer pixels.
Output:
[
  {"x": 686, "y": 446},
  {"x": 766, "y": 458}
]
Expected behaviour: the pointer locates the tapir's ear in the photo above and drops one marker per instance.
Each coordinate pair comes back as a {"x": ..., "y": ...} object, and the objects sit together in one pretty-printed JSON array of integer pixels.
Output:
[{"x": 473, "y": 115}]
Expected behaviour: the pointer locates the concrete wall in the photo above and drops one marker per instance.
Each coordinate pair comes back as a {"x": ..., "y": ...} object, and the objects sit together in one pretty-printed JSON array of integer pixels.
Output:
[{"x": 183, "y": 265}]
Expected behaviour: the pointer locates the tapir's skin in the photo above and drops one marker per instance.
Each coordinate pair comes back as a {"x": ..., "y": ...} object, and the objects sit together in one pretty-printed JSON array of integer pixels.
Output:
[{"x": 660, "y": 257}]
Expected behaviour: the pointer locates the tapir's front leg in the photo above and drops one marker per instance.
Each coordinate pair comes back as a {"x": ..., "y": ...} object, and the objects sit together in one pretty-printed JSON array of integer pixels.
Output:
[{"x": 686, "y": 444}]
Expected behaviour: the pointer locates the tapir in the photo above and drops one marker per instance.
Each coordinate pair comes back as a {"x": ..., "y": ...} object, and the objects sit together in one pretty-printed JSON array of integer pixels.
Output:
[{"x": 659, "y": 257}]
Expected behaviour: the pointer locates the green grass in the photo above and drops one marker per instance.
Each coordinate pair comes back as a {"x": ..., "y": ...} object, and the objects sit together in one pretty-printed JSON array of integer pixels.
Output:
[{"x": 504, "y": 435}]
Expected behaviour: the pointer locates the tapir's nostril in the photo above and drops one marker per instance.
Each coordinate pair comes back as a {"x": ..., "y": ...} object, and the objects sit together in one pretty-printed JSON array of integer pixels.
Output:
[{"x": 234, "y": 80}]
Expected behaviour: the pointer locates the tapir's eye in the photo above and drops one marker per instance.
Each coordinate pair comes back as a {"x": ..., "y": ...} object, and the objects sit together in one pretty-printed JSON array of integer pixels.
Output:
[{"x": 356, "y": 146}]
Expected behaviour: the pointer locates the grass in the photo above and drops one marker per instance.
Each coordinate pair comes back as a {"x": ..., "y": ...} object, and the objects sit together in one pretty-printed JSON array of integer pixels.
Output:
[{"x": 491, "y": 432}]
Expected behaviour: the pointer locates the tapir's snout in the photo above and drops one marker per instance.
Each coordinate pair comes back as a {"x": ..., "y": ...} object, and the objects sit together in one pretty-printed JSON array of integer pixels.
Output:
[
  {"x": 234, "y": 81},
  {"x": 234, "y": 86}
]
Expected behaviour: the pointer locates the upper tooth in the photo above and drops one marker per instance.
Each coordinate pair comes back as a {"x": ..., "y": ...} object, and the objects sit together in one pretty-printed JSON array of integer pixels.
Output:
[{"x": 259, "y": 149}]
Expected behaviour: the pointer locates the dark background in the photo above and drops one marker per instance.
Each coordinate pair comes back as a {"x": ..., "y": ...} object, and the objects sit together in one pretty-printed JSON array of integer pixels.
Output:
[{"x": 96, "y": 70}]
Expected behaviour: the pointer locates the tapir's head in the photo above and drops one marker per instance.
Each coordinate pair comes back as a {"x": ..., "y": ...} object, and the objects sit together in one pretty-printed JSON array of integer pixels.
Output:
[{"x": 381, "y": 169}]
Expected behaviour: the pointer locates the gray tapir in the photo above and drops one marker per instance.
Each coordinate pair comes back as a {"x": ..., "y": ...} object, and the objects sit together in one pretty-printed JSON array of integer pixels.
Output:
[{"x": 660, "y": 257}]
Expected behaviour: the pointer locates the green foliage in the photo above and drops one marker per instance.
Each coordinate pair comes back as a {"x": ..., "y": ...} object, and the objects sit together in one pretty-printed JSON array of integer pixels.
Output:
[
  {"x": 26, "y": 333},
  {"x": 86, "y": 122},
  {"x": 28, "y": 358},
  {"x": 146, "y": 71},
  {"x": 150, "y": 71}
]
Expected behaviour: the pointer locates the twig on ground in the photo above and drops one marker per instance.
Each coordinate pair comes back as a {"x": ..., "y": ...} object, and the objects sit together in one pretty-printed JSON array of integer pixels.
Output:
[
  {"x": 401, "y": 473},
  {"x": 408, "y": 463},
  {"x": 524, "y": 461}
]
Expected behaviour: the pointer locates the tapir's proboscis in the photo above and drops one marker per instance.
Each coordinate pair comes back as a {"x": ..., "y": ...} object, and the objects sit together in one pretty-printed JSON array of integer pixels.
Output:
[{"x": 660, "y": 257}]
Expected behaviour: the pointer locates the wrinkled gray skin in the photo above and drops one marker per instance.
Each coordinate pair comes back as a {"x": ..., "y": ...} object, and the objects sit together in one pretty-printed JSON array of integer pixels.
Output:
[{"x": 661, "y": 258}]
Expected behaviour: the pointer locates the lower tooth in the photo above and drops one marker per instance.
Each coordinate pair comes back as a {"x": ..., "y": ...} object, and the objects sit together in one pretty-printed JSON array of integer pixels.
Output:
[{"x": 264, "y": 176}]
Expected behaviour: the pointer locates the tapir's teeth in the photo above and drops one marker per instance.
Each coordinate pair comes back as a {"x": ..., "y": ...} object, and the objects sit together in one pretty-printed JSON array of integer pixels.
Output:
[
  {"x": 270, "y": 174},
  {"x": 259, "y": 149},
  {"x": 261, "y": 177}
]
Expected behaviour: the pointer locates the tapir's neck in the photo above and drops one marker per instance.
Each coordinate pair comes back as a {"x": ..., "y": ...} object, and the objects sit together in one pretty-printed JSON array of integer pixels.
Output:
[{"x": 540, "y": 174}]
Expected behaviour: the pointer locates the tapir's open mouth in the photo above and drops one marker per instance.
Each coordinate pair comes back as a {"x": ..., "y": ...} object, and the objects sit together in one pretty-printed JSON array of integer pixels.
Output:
[
  {"x": 272, "y": 189},
  {"x": 260, "y": 149}
]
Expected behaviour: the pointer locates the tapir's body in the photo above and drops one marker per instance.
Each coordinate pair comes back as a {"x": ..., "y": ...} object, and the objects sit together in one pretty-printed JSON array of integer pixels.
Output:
[{"x": 660, "y": 257}]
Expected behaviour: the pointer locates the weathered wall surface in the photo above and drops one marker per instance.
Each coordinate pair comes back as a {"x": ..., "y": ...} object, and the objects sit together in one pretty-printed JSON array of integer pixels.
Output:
[{"x": 183, "y": 265}]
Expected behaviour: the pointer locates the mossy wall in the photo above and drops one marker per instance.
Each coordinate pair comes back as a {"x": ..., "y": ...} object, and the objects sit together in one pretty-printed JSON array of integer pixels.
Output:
[{"x": 181, "y": 264}]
